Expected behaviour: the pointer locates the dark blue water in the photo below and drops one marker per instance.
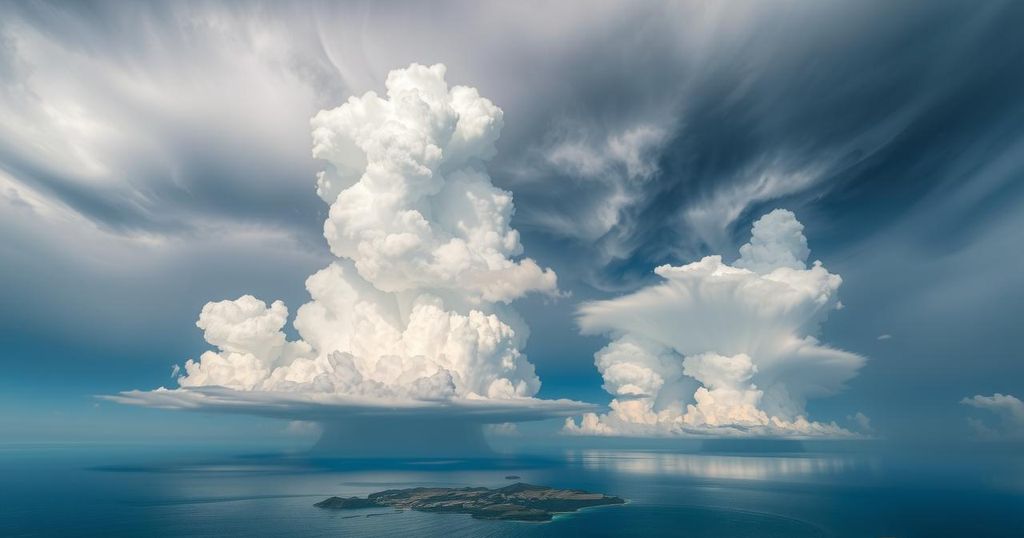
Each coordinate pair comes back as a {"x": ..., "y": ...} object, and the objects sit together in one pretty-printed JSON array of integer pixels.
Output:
[{"x": 105, "y": 491}]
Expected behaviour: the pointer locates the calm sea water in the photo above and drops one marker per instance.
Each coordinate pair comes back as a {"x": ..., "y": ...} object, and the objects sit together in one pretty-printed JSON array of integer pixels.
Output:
[{"x": 104, "y": 491}]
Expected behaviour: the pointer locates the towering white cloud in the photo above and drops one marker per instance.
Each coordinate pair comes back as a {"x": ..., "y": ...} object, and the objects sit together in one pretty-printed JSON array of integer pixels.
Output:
[
  {"x": 415, "y": 307},
  {"x": 776, "y": 240},
  {"x": 720, "y": 349},
  {"x": 411, "y": 203}
]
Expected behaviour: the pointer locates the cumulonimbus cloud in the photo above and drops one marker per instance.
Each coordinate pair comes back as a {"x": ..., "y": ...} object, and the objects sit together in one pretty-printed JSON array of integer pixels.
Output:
[
  {"x": 719, "y": 349},
  {"x": 413, "y": 315}
]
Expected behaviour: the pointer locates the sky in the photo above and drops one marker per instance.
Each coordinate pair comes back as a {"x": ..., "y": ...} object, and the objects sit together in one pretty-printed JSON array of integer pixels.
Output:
[{"x": 160, "y": 156}]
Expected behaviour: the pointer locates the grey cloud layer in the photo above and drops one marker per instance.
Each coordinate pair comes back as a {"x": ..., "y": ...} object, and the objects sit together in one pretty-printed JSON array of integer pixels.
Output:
[{"x": 640, "y": 133}]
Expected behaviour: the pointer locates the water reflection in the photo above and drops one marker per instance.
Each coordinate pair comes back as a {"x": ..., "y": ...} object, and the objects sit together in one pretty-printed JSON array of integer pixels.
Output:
[{"x": 773, "y": 468}]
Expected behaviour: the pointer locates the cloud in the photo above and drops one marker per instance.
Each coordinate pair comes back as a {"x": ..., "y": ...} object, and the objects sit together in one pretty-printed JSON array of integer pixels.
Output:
[
  {"x": 716, "y": 349},
  {"x": 1009, "y": 413},
  {"x": 631, "y": 153},
  {"x": 154, "y": 131},
  {"x": 325, "y": 407},
  {"x": 613, "y": 166},
  {"x": 712, "y": 217},
  {"x": 413, "y": 312},
  {"x": 776, "y": 240},
  {"x": 882, "y": 337},
  {"x": 862, "y": 421},
  {"x": 172, "y": 133},
  {"x": 411, "y": 203}
]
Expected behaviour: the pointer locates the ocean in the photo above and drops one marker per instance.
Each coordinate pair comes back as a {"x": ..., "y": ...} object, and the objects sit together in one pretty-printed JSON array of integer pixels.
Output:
[{"x": 92, "y": 490}]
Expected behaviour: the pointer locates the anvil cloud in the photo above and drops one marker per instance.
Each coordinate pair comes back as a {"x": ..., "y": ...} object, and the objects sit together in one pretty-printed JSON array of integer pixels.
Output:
[{"x": 718, "y": 349}]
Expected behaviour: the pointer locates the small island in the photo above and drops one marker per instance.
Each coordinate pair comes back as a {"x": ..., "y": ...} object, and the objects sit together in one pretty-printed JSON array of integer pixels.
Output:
[{"x": 517, "y": 502}]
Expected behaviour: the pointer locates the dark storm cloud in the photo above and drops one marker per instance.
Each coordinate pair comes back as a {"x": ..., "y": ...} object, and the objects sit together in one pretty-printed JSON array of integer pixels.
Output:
[
  {"x": 825, "y": 107},
  {"x": 723, "y": 111}
]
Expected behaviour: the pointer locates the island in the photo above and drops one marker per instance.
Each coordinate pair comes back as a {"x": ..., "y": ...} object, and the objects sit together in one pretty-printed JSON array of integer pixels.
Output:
[{"x": 516, "y": 502}]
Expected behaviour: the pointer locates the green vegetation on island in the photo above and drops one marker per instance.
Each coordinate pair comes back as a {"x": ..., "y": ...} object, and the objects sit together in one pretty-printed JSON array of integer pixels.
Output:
[{"x": 517, "y": 502}]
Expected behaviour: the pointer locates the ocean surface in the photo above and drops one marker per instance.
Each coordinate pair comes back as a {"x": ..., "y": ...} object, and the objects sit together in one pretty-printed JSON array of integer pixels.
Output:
[{"x": 133, "y": 491}]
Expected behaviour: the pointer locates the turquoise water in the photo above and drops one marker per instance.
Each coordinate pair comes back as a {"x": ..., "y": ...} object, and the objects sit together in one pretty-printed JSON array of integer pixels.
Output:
[{"x": 107, "y": 491}]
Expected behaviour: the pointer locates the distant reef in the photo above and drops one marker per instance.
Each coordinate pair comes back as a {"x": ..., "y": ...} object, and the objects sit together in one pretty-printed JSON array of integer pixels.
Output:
[{"x": 517, "y": 502}]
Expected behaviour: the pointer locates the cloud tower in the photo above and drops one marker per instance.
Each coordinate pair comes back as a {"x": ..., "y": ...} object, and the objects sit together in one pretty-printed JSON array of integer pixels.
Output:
[
  {"x": 722, "y": 350},
  {"x": 409, "y": 330}
]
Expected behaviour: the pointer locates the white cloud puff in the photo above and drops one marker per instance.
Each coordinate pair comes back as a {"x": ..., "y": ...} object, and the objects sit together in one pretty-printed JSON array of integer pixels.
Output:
[
  {"x": 720, "y": 349},
  {"x": 1009, "y": 411},
  {"x": 776, "y": 240},
  {"x": 411, "y": 203},
  {"x": 356, "y": 341},
  {"x": 415, "y": 307},
  {"x": 862, "y": 421}
]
